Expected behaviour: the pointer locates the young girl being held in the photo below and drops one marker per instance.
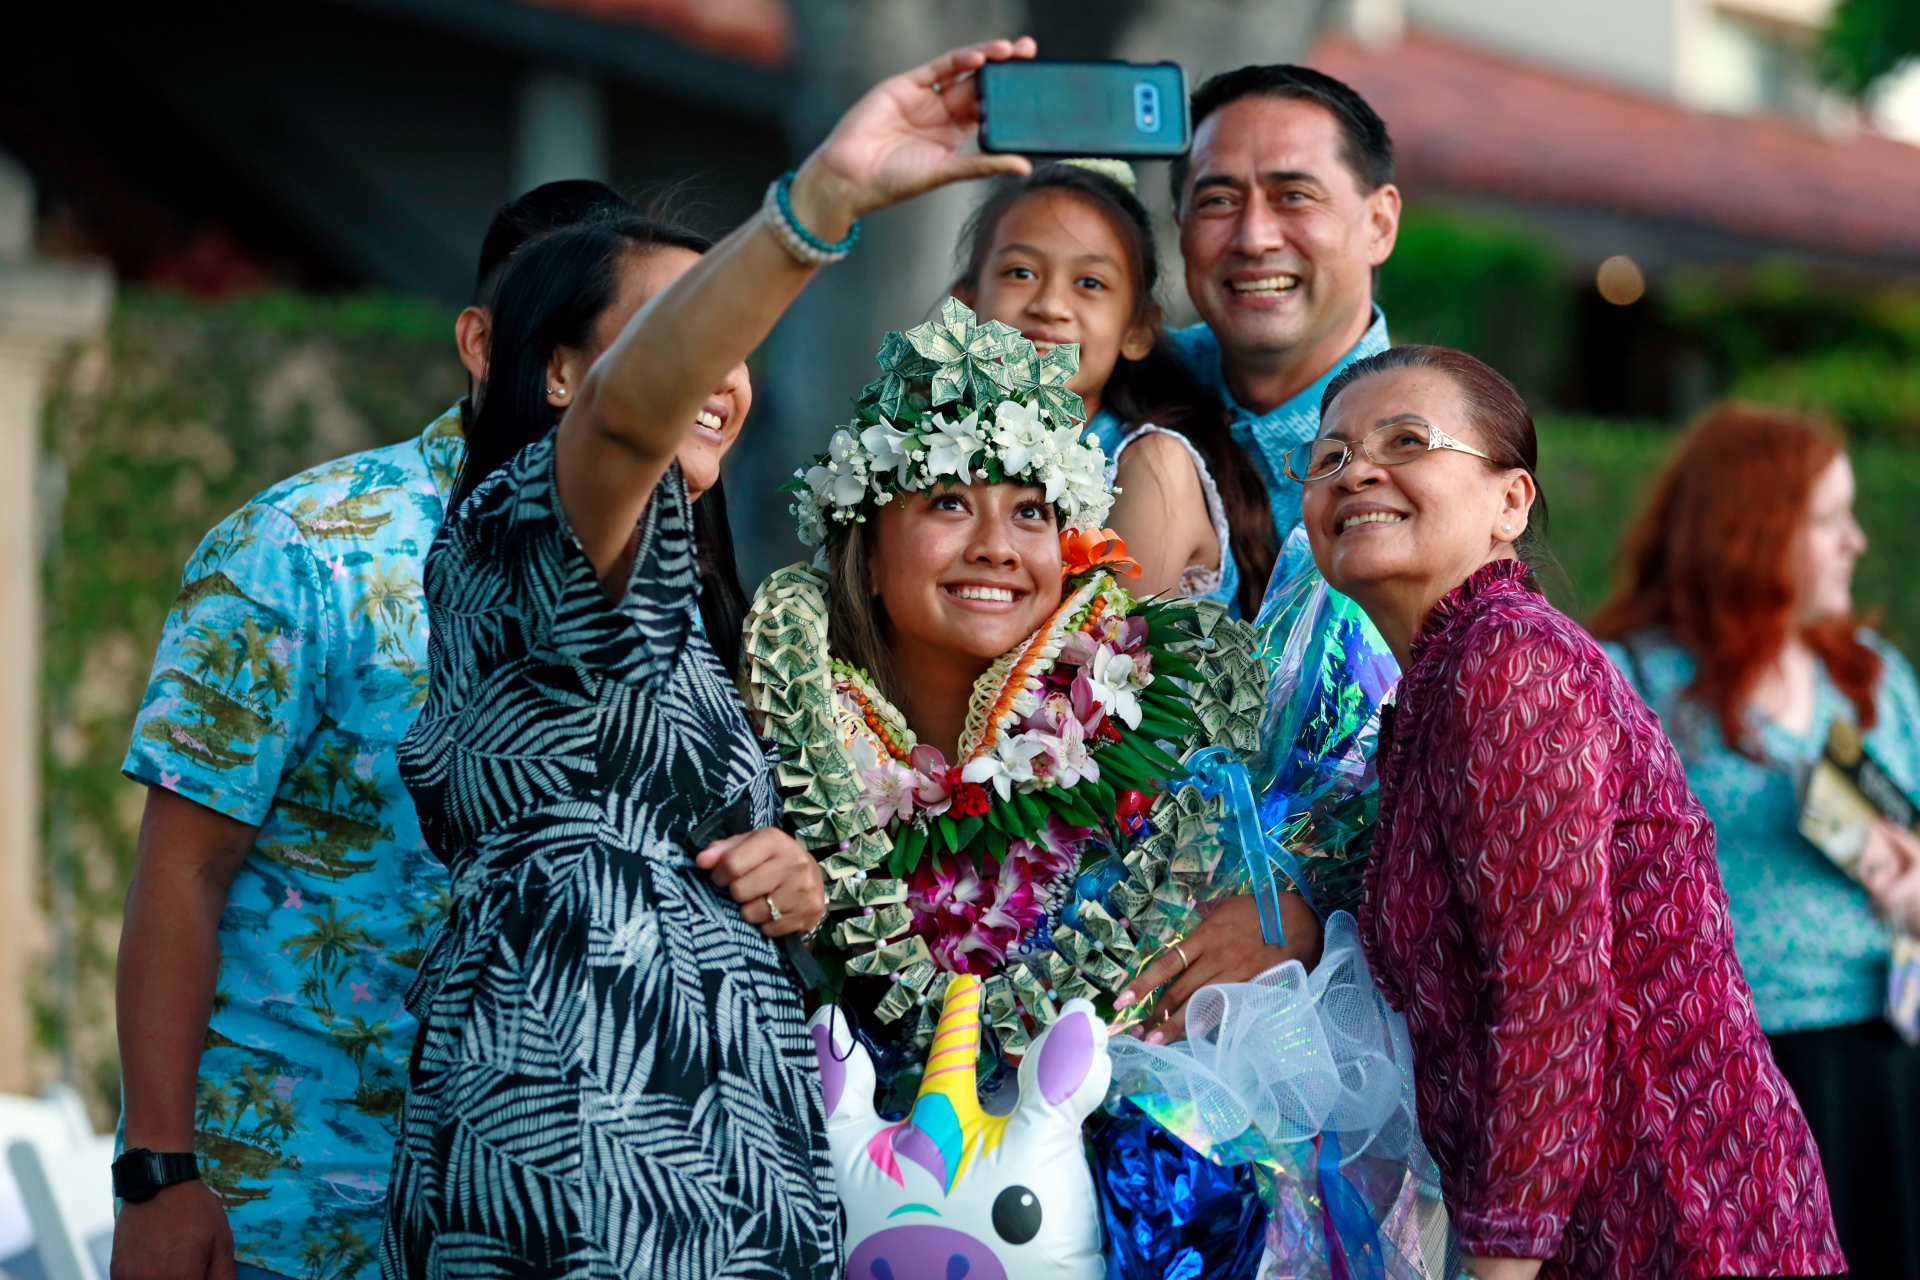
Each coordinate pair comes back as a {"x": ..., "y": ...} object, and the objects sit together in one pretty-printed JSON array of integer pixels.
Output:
[{"x": 1066, "y": 254}]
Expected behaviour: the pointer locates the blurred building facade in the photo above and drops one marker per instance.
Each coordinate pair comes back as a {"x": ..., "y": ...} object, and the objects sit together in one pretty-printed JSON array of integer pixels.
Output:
[{"x": 1666, "y": 136}]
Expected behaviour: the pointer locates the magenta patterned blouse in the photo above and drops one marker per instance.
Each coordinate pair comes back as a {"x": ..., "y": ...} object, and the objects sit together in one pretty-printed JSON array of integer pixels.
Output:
[{"x": 1542, "y": 903}]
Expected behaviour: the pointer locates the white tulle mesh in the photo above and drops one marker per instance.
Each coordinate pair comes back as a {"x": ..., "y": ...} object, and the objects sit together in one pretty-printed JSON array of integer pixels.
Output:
[{"x": 1291, "y": 1055}]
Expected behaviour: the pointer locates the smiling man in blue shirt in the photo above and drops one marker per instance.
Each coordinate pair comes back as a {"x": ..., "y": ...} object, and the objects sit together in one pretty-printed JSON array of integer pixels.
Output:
[{"x": 1286, "y": 204}]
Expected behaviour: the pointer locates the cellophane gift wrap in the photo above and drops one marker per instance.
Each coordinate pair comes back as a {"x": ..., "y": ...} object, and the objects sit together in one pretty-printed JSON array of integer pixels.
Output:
[
  {"x": 1305, "y": 1082},
  {"x": 1329, "y": 673}
]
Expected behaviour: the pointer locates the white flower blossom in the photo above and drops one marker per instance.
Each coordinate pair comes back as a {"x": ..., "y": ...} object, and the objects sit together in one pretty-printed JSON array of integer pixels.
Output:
[
  {"x": 888, "y": 787},
  {"x": 951, "y": 448},
  {"x": 1010, "y": 762},
  {"x": 1070, "y": 759},
  {"x": 886, "y": 447},
  {"x": 1112, "y": 681},
  {"x": 1018, "y": 436},
  {"x": 860, "y": 470}
]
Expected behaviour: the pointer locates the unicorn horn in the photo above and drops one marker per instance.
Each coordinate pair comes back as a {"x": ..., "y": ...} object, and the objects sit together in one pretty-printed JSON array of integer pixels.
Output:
[
  {"x": 947, "y": 1110},
  {"x": 956, "y": 1044}
]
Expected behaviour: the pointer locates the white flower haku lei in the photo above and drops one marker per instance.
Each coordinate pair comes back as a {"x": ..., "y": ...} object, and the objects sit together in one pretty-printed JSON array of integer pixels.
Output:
[
  {"x": 860, "y": 472},
  {"x": 1022, "y": 420}
]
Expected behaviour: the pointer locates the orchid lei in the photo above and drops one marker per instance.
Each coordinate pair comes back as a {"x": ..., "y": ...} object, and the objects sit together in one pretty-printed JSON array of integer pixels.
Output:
[
  {"x": 976, "y": 865},
  {"x": 1059, "y": 730}
]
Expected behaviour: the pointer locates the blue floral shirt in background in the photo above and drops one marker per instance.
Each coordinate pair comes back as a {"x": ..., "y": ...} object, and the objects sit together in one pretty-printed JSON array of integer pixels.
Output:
[
  {"x": 1812, "y": 948},
  {"x": 291, "y": 665}
]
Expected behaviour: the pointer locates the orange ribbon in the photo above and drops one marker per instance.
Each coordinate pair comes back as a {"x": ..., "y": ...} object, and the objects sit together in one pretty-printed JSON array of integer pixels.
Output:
[{"x": 1084, "y": 549}]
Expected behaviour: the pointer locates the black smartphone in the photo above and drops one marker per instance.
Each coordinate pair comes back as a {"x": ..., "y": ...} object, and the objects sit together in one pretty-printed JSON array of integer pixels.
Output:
[{"x": 1083, "y": 108}]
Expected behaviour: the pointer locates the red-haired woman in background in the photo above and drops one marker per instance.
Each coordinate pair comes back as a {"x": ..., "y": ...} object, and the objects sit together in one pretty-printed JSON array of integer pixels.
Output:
[{"x": 1735, "y": 621}]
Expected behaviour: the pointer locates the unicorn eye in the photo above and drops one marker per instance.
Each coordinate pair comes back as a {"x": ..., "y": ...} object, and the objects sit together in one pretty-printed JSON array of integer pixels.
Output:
[{"x": 1016, "y": 1215}]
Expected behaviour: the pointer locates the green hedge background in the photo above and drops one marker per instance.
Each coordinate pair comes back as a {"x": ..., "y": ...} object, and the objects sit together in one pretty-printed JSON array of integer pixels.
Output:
[
  {"x": 1595, "y": 473},
  {"x": 187, "y": 408},
  {"x": 180, "y": 414}
]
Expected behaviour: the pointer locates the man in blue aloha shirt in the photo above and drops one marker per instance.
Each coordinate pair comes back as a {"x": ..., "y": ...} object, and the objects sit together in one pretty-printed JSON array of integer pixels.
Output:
[
  {"x": 283, "y": 896},
  {"x": 1286, "y": 205}
]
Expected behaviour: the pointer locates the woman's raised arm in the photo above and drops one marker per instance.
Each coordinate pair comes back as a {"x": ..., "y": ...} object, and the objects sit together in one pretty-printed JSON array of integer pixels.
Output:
[{"x": 640, "y": 397}]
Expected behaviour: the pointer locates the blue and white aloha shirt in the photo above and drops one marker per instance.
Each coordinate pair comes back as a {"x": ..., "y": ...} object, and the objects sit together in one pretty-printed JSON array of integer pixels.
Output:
[
  {"x": 291, "y": 665},
  {"x": 1267, "y": 436},
  {"x": 1808, "y": 940}
]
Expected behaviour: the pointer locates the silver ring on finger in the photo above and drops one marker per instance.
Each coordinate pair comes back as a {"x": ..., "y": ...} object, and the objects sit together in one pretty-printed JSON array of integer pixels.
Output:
[
  {"x": 1185, "y": 964},
  {"x": 773, "y": 912}
]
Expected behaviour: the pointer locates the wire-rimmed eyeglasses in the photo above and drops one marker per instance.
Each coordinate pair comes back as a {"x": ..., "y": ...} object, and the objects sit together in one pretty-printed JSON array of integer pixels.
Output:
[{"x": 1393, "y": 445}]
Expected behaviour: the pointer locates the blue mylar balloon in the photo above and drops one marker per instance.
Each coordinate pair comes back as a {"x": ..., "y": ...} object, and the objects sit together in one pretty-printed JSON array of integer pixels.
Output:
[{"x": 1170, "y": 1213}]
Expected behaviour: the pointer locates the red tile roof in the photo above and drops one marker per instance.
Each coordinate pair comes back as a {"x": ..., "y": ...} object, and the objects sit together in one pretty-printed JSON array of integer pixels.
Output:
[
  {"x": 1467, "y": 120},
  {"x": 756, "y": 31}
]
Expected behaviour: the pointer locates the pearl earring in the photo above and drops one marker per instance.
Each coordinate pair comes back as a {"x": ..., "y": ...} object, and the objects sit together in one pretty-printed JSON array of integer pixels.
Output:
[{"x": 1507, "y": 528}]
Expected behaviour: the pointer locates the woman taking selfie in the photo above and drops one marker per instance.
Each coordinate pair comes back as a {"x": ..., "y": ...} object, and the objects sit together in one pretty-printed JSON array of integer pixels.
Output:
[
  {"x": 1735, "y": 621},
  {"x": 1541, "y": 900},
  {"x": 574, "y": 290},
  {"x": 1066, "y": 254},
  {"x": 612, "y": 1074}
]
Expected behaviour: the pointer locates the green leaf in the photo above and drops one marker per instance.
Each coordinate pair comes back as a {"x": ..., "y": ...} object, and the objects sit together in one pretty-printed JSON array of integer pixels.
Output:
[
  {"x": 1166, "y": 697},
  {"x": 967, "y": 829},
  {"x": 949, "y": 832},
  {"x": 1157, "y": 761},
  {"x": 1031, "y": 812},
  {"x": 1124, "y": 757},
  {"x": 1178, "y": 711},
  {"x": 996, "y": 843},
  {"x": 1156, "y": 723},
  {"x": 907, "y": 846},
  {"x": 1166, "y": 664},
  {"x": 1072, "y": 806},
  {"x": 1102, "y": 797}
]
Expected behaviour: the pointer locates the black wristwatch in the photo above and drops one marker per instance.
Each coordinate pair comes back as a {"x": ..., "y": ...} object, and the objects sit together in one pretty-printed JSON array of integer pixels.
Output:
[{"x": 140, "y": 1174}]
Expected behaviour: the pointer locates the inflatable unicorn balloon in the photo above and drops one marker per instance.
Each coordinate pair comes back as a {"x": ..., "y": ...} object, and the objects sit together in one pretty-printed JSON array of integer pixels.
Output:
[{"x": 952, "y": 1193}]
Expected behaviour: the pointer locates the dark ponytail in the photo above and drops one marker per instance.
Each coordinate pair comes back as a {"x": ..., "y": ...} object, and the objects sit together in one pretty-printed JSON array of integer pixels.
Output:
[
  {"x": 1154, "y": 388},
  {"x": 555, "y": 290}
]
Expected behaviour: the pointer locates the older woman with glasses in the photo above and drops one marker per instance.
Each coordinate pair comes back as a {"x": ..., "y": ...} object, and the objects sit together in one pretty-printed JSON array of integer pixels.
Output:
[{"x": 1542, "y": 901}]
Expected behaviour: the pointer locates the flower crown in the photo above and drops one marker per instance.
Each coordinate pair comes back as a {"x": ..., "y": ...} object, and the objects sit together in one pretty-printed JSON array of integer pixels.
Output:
[{"x": 957, "y": 401}]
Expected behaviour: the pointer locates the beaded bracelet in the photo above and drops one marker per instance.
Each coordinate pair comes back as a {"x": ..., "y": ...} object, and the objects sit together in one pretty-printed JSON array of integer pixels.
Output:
[{"x": 805, "y": 247}]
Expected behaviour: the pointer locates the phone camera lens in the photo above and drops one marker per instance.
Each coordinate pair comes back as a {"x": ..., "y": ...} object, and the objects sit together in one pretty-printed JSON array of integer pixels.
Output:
[{"x": 1146, "y": 108}]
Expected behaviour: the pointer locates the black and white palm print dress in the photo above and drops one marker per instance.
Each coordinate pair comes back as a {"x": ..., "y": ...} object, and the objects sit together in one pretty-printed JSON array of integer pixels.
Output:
[{"x": 612, "y": 1076}]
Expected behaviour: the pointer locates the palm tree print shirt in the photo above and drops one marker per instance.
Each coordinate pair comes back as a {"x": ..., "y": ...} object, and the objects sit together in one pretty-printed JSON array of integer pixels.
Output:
[{"x": 291, "y": 665}]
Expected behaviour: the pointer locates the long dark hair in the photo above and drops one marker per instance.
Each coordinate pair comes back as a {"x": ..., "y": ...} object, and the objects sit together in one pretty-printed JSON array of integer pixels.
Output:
[
  {"x": 553, "y": 294},
  {"x": 1154, "y": 388}
]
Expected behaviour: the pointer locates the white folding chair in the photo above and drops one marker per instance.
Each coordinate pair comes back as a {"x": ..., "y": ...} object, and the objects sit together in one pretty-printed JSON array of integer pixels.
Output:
[{"x": 65, "y": 1176}]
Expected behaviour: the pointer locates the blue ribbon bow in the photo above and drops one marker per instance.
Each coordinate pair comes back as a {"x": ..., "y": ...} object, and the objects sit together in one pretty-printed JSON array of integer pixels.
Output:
[{"x": 1217, "y": 771}]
